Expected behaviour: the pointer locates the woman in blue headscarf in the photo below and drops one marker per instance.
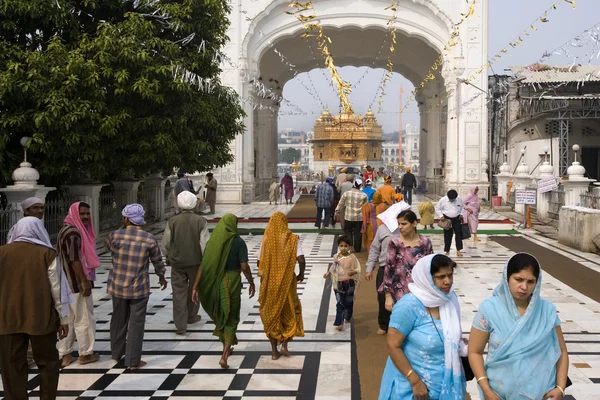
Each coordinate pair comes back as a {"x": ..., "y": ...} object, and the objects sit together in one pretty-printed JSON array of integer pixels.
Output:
[
  {"x": 425, "y": 337},
  {"x": 527, "y": 356}
]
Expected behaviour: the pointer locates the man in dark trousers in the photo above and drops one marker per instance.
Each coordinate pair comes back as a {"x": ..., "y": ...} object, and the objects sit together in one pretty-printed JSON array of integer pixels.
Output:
[
  {"x": 129, "y": 284},
  {"x": 183, "y": 244},
  {"x": 211, "y": 192},
  {"x": 409, "y": 182},
  {"x": 32, "y": 310},
  {"x": 324, "y": 197}
]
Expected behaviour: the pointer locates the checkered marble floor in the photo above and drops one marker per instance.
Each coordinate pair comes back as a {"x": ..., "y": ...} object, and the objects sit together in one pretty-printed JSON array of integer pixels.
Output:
[{"x": 321, "y": 366}]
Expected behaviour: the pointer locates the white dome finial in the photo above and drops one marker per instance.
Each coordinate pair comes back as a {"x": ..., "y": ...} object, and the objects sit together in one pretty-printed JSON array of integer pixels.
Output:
[{"x": 25, "y": 175}]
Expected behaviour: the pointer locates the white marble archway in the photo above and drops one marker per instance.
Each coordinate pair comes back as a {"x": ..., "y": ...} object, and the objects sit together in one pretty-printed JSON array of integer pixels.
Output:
[{"x": 453, "y": 149}]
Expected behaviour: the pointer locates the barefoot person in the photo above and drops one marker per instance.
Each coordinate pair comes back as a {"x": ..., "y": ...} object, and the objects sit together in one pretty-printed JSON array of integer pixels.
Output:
[
  {"x": 218, "y": 283},
  {"x": 378, "y": 257},
  {"x": 183, "y": 245},
  {"x": 280, "y": 308},
  {"x": 34, "y": 308},
  {"x": 129, "y": 284},
  {"x": 402, "y": 254},
  {"x": 345, "y": 273},
  {"x": 471, "y": 211},
  {"x": 77, "y": 250},
  {"x": 450, "y": 207}
]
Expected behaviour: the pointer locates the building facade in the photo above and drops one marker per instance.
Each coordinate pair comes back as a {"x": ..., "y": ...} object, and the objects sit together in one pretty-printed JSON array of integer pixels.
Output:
[
  {"x": 454, "y": 149},
  {"x": 548, "y": 111},
  {"x": 346, "y": 140}
]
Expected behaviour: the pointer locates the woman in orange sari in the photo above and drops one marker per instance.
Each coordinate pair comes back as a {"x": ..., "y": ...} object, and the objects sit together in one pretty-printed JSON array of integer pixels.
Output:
[
  {"x": 280, "y": 308},
  {"x": 370, "y": 211}
]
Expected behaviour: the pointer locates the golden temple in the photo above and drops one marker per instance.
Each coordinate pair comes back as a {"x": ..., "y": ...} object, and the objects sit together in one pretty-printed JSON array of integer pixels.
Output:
[{"x": 347, "y": 139}]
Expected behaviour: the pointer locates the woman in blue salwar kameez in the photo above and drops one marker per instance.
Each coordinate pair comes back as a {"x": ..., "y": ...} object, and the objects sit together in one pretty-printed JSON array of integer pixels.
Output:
[{"x": 425, "y": 338}]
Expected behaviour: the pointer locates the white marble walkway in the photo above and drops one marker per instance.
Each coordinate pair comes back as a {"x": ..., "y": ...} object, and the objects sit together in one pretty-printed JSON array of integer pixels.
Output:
[{"x": 186, "y": 366}]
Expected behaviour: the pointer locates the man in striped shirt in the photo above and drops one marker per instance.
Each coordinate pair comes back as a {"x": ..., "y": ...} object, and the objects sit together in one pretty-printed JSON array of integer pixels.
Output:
[{"x": 129, "y": 284}]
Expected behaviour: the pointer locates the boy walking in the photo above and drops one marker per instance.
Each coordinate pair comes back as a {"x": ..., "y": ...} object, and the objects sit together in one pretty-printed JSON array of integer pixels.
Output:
[{"x": 345, "y": 273}]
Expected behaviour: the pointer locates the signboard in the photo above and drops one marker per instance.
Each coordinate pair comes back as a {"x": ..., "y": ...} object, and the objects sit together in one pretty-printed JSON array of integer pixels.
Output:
[
  {"x": 548, "y": 184},
  {"x": 528, "y": 197}
]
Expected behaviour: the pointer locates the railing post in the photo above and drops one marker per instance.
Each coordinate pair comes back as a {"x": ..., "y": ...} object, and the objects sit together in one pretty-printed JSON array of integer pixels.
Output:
[
  {"x": 126, "y": 192},
  {"x": 156, "y": 196}
]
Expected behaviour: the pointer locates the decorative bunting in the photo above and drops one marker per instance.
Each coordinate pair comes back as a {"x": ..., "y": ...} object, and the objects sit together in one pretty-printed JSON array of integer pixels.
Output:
[{"x": 323, "y": 42}]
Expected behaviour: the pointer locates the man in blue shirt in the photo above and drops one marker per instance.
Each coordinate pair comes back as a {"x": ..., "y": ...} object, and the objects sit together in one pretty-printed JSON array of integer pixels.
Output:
[
  {"x": 368, "y": 190},
  {"x": 324, "y": 197}
]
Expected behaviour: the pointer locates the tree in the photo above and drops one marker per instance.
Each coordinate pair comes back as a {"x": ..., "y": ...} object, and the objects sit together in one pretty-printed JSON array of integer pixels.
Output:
[
  {"x": 290, "y": 155},
  {"x": 104, "y": 87}
]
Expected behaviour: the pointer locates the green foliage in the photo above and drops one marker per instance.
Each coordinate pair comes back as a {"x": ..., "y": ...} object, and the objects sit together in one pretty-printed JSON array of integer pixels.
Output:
[
  {"x": 92, "y": 83},
  {"x": 290, "y": 155}
]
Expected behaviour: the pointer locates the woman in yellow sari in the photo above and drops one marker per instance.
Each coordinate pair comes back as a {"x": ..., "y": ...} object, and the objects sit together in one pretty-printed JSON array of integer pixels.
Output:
[
  {"x": 370, "y": 211},
  {"x": 280, "y": 308}
]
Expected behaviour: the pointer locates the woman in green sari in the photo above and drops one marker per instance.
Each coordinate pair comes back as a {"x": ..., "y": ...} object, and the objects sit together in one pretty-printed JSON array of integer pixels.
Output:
[{"x": 218, "y": 283}]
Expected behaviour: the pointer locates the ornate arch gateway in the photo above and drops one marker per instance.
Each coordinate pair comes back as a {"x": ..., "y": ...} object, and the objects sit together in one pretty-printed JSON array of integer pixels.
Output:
[{"x": 267, "y": 50}]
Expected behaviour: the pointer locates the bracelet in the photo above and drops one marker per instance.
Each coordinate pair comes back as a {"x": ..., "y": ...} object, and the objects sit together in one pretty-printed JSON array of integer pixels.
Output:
[
  {"x": 481, "y": 378},
  {"x": 561, "y": 390},
  {"x": 409, "y": 373}
]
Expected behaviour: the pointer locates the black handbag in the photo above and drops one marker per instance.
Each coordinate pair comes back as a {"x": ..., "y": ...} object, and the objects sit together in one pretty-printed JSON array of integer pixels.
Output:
[
  {"x": 469, "y": 374},
  {"x": 466, "y": 232}
]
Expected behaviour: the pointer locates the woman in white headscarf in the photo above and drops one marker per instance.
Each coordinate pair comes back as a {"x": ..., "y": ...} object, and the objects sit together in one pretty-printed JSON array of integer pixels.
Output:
[
  {"x": 426, "y": 322},
  {"x": 274, "y": 193}
]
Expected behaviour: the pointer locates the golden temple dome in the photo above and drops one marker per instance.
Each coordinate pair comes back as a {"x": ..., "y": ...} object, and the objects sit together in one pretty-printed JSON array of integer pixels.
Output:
[{"x": 370, "y": 114}]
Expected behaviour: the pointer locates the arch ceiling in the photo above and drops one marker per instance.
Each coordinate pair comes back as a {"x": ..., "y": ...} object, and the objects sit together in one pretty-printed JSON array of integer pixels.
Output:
[
  {"x": 351, "y": 46},
  {"x": 357, "y": 29}
]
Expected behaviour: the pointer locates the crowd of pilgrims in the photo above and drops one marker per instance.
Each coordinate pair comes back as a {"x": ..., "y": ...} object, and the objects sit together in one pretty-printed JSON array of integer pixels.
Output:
[{"x": 418, "y": 308}]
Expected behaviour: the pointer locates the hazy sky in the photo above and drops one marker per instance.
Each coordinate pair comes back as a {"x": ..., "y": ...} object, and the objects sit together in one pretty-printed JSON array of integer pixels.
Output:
[{"x": 507, "y": 20}]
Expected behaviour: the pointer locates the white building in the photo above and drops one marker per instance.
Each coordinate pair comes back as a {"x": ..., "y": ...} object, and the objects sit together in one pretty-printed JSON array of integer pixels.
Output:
[
  {"x": 453, "y": 152},
  {"x": 410, "y": 150}
]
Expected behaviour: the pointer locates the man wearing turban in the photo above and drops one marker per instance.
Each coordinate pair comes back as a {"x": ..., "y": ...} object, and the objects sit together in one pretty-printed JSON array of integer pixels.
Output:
[
  {"x": 129, "y": 284},
  {"x": 32, "y": 207},
  {"x": 183, "y": 244}
]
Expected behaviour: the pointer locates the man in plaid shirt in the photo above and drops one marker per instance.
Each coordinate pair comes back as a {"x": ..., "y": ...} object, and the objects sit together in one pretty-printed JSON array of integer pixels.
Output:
[
  {"x": 129, "y": 284},
  {"x": 353, "y": 201},
  {"x": 324, "y": 197}
]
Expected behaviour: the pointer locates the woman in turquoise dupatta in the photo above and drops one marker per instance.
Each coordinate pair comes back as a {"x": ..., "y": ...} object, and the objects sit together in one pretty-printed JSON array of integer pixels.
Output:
[{"x": 527, "y": 356}]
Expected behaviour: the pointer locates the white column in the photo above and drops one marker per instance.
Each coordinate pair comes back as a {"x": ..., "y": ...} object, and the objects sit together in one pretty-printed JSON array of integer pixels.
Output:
[
  {"x": 522, "y": 180},
  {"x": 451, "y": 180},
  {"x": 156, "y": 196},
  {"x": 126, "y": 192},
  {"x": 577, "y": 184},
  {"x": 543, "y": 199},
  {"x": 247, "y": 161},
  {"x": 89, "y": 194},
  {"x": 424, "y": 125}
]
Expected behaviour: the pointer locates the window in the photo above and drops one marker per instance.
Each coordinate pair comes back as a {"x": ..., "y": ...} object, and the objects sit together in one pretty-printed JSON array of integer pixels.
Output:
[{"x": 375, "y": 155}]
